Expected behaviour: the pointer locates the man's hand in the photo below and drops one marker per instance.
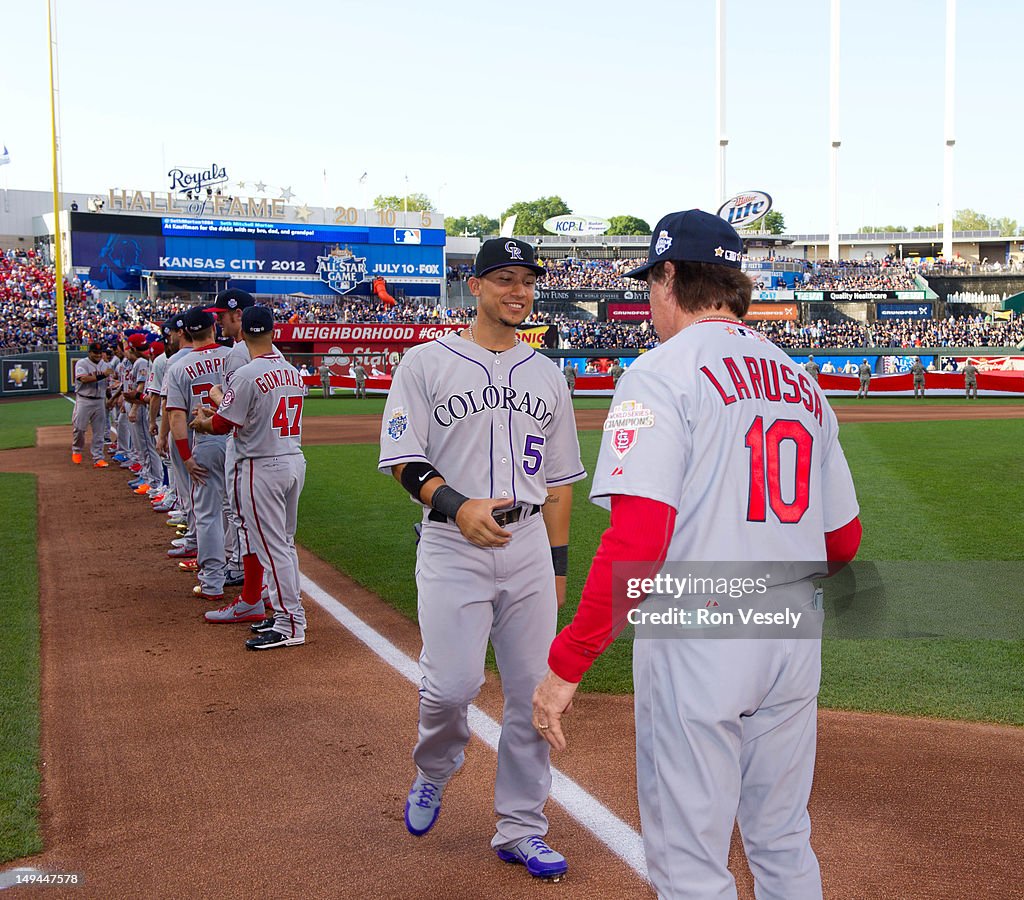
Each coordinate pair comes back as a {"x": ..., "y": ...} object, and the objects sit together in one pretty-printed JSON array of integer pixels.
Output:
[
  {"x": 154, "y": 428},
  {"x": 551, "y": 700},
  {"x": 133, "y": 416},
  {"x": 477, "y": 524},
  {"x": 202, "y": 420},
  {"x": 161, "y": 445},
  {"x": 216, "y": 394},
  {"x": 196, "y": 472}
]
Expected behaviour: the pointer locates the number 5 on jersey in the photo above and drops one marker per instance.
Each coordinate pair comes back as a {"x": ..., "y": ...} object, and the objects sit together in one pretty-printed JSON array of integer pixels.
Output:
[{"x": 280, "y": 421}]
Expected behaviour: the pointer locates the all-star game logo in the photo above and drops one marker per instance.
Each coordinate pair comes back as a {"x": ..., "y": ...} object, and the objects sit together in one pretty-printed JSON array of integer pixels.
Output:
[{"x": 341, "y": 270}]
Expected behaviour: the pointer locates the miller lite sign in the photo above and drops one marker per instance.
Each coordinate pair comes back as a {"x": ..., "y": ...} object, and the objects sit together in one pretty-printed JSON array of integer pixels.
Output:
[
  {"x": 341, "y": 270},
  {"x": 745, "y": 209}
]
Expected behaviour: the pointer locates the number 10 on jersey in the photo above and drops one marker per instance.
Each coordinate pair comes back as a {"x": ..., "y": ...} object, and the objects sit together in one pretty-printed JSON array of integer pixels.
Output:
[{"x": 766, "y": 477}]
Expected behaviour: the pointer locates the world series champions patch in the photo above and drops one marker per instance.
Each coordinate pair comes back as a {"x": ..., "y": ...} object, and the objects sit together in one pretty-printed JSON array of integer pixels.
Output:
[
  {"x": 398, "y": 422},
  {"x": 624, "y": 422}
]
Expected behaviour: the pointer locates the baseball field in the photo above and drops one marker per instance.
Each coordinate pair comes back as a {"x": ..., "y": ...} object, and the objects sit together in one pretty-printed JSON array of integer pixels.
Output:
[{"x": 145, "y": 724}]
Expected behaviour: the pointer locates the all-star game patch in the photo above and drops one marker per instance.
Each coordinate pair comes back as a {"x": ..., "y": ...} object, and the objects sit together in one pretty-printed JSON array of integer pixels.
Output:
[
  {"x": 624, "y": 422},
  {"x": 398, "y": 422}
]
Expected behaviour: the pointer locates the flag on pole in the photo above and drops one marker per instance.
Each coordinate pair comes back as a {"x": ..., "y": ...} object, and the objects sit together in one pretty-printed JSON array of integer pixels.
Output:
[
  {"x": 5, "y": 157},
  {"x": 362, "y": 178}
]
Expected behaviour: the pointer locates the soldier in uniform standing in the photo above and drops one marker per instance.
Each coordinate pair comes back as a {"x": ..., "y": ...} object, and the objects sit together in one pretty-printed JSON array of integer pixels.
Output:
[
  {"x": 325, "y": 378},
  {"x": 359, "y": 373},
  {"x": 917, "y": 370},
  {"x": 864, "y": 372},
  {"x": 971, "y": 380},
  {"x": 811, "y": 367}
]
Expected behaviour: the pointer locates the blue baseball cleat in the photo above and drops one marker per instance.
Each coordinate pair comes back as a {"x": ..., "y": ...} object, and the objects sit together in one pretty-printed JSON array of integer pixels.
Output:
[
  {"x": 422, "y": 806},
  {"x": 540, "y": 860}
]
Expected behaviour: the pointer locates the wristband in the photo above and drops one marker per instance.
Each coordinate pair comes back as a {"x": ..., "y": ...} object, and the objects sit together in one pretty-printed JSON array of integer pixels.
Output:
[
  {"x": 447, "y": 501},
  {"x": 417, "y": 474},
  {"x": 560, "y": 559},
  {"x": 184, "y": 450},
  {"x": 100, "y": 376}
]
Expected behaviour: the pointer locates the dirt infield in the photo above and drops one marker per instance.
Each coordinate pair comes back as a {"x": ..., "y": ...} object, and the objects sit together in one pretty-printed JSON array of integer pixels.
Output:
[{"x": 176, "y": 763}]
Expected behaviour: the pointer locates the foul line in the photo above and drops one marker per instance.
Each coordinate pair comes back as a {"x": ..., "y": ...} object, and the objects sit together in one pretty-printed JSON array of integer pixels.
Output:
[{"x": 586, "y": 809}]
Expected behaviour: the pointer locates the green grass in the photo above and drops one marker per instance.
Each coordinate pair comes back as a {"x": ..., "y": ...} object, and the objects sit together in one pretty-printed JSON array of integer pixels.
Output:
[
  {"x": 19, "y": 421},
  {"x": 942, "y": 491},
  {"x": 931, "y": 399},
  {"x": 19, "y": 669},
  {"x": 345, "y": 404}
]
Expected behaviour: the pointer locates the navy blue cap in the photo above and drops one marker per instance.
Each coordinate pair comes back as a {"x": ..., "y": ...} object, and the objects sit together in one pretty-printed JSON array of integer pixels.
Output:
[
  {"x": 232, "y": 299},
  {"x": 198, "y": 319},
  {"x": 257, "y": 320},
  {"x": 175, "y": 323},
  {"x": 693, "y": 236},
  {"x": 498, "y": 253}
]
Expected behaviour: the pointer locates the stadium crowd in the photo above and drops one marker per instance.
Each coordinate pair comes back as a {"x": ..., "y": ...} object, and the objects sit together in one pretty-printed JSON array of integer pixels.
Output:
[{"x": 28, "y": 315}]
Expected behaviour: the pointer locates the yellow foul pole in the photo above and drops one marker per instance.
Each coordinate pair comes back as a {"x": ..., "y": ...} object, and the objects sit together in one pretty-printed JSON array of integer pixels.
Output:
[{"x": 58, "y": 256}]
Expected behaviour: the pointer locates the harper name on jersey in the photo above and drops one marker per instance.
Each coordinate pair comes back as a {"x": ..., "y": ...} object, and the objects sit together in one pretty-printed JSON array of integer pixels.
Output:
[
  {"x": 469, "y": 403},
  {"x": 765, "y": 379},
  {"x": 205, "y": 365}
]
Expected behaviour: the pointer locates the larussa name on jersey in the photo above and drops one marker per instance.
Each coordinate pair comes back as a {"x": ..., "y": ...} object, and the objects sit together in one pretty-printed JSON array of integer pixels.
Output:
[
  {"x": 624, "y": 421},
  {"x": 470, "y": 403},
  {"x": 762, "y": 379}
]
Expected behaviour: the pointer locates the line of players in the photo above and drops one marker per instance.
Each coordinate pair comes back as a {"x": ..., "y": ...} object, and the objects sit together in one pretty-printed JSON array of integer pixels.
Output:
[{"x": 212, "y": 435}]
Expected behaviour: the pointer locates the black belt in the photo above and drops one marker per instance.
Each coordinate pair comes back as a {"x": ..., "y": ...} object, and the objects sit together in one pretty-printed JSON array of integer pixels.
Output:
[{"x": 502, "y": 516}]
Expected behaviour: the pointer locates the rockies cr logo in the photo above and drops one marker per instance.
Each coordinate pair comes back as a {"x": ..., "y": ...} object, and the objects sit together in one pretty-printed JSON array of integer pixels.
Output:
[{"x": 513, "y": 251}]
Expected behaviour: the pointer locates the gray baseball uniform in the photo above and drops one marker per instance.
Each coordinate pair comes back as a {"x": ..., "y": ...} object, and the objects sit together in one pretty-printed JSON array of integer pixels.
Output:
[
  {"x": 182, "y": 479},
  {"x": 152, "y": 470},
  {"x": 264, "y": 402},
  {"x": 122, "y": 370},
  {"x": 188, "y": 387},
  {"x": 727, "y": 727},
  {"x": 90, "y": 408},
  {"x": 496, "y": 425}
]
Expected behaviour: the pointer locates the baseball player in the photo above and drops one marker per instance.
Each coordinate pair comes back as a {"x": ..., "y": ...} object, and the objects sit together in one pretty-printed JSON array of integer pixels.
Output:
[
  {"x": 359, "y": 374},
  {"x": 811, "y": 367},
  {"x": 116, "y": 404},
  {"x": 479, "y": 429},
  {"x": 264, "y": 406},
  {"x": 242, "y": 558},
  {"x": 917, "y": 370},
  {"x": 864, "y": 372},
  {"x": 151, "y": 470},
  {"x": 189, "y": 384},
  {"x": 718, "y": 447},
  {"x": 90, "y": 406},
  {"x": 181, "y": 345},
  {"x": 971, "y": 380}
]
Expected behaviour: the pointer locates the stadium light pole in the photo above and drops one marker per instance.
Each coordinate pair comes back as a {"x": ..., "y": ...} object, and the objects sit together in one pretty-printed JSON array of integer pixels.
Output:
[
  {"x": 947, "y": 193},
  {"x": 723, "y": 141},
  {"x": 58, "y": 258},
  {"x": 833, "y": 230}
]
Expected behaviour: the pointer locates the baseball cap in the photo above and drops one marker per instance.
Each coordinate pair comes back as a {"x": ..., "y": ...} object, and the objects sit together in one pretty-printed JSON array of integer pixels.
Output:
[
  {"x": 197, "y": 319},
  {"x": 692, "y": 236},
  {"x": 155, "y": 348},
  {"x": 174, "y": 323},
  {"x": 232, "y": 299},
  {"x": 257, "y": 320},
  {"x": 497, "y": 253},
  {"x": 138, "y": 341}
]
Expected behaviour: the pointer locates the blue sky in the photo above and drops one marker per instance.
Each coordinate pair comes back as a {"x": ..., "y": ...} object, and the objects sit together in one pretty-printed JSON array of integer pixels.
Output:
[{"x": 609, "y": 105}]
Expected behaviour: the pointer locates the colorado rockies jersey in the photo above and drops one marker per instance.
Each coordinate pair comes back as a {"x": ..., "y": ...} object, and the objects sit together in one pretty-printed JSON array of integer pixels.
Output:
[
  {"x": 264, "y": 403},
  {"x": 721, "y": 425},
  {"x": 497, "y": 425},
  {"x": 93, "y": 390},
  {"x": 188, "y": 383}
]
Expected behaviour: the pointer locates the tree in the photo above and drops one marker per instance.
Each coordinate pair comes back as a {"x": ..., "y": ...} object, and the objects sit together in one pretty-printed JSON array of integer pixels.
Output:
[
  {"x": 774, "y": 222},
  {"x": 970, "y": 220},
  {"x": 417, "y": 203},
  {"x": 532, "y": 213},
  {"x": 1006, "y": 225},
  {"x": 627, "y": 225},
  {"x": 874, "y": 229},
  {"x": 478, "y": 225}
]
